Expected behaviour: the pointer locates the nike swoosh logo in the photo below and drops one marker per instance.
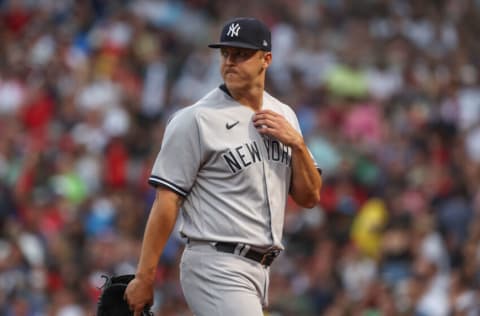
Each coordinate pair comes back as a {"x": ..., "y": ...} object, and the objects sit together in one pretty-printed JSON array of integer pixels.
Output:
[{"x": 229, "y": 126}]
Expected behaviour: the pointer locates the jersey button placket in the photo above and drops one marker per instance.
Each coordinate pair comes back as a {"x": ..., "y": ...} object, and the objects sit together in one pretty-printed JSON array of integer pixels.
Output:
[
  {"x": 268, "y": 182},
  {"x": 266, "y": 177},
  {"x": 272, "y": 203}
]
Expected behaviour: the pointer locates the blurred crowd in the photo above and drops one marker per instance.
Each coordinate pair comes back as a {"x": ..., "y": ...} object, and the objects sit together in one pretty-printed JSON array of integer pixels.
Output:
[{"x": 388, "y": 97}]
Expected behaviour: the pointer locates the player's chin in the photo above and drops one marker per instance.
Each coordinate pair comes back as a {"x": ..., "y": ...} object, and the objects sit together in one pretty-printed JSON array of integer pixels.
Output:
[
  {"x": 231, "y": 77},
  {"x": 233, "y": 81}
]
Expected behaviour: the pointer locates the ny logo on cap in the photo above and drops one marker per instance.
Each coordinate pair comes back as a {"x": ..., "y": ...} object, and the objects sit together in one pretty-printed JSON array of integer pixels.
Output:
[{"x": 233, "y": 29}]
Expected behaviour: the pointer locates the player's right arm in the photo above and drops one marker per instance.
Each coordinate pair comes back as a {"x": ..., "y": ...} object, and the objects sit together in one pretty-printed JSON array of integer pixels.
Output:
[
  {"x": 173, "y": 174},
  {"x": 159, "y": 226}
]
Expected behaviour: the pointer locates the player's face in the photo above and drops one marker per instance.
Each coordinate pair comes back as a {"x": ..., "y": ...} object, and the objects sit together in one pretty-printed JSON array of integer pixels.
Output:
[{"x": 242, "y": 67}]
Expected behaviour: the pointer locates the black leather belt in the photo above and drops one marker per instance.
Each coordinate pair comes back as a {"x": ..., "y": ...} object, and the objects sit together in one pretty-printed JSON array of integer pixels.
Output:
[{"x": 264, "y": 258}]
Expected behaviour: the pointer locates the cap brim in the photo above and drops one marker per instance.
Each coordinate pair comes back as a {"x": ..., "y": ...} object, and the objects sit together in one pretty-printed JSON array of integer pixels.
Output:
[{"x": 233, "y": 44}]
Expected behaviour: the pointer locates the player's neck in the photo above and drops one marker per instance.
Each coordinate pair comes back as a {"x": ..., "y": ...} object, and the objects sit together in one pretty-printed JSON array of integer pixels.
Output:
[{"x": 251, "y": 97}]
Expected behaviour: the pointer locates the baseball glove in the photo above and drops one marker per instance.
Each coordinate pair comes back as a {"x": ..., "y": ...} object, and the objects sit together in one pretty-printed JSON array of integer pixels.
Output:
[{"x": 111, "y": 302}]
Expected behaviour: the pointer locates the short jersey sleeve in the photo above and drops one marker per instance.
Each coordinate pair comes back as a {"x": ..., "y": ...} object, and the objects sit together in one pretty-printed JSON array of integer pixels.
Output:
[{"x": 180, "y": 155}]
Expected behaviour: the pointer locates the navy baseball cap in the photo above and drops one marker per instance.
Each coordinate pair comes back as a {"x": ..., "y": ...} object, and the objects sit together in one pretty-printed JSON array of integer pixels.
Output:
[{"x": 245, "y": 33}]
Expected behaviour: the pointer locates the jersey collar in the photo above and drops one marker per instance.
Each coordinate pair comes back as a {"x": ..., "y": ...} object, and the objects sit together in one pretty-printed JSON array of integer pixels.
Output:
[{"x": 224, "y": 88}]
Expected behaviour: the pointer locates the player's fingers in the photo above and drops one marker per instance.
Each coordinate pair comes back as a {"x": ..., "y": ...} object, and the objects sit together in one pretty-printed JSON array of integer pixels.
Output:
[
  {"x": 266, "y": 115},
  {"x": 129, "y": 302},
  {"x": 270, "y": 121},
  {"x": 258, "y": 117},
  {"x": 132, "y": 306},
  {"x": 270, "y": 131},
  {"x": 125, "y": 298},
  {"x": 137, "y": 309},
  {"x": 267, "y": 112},
  {"x": 265, "y": 130},
  {"x": 265, "y": 121}
]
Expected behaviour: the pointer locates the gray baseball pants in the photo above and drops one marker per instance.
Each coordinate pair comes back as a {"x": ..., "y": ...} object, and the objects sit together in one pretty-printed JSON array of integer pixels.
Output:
[{"x": 216, "y": 283}]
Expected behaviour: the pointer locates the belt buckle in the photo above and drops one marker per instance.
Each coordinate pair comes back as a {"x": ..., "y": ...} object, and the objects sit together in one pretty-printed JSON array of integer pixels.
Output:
[{"x": 269, "y": 256}]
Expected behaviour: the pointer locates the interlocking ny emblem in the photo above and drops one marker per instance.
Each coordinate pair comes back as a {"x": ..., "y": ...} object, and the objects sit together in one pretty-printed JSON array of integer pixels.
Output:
[{"x": 233, "y": 29}]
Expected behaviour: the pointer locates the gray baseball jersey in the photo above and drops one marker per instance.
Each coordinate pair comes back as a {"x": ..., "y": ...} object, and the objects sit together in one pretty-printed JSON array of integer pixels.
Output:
[{"x": 234, "y": 180}]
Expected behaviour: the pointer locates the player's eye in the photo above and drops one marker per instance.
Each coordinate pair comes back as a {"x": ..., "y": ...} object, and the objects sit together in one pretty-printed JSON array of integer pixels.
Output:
[{"x": 237, "y": 54}]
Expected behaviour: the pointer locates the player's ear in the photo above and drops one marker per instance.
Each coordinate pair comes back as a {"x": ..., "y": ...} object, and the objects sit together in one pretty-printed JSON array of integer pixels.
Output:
[{"x": 267, "y": 59}]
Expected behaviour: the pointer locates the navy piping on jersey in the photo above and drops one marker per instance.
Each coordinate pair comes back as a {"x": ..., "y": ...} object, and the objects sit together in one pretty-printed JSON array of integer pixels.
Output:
[{"x": 156, "y": 181}]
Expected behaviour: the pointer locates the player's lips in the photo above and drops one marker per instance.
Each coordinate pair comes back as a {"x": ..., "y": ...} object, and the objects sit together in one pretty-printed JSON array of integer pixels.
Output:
[{"x": 230, "y": 71}]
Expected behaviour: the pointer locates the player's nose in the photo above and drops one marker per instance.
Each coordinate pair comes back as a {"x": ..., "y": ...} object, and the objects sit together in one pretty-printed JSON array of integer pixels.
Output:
[{"x": 230, "y": 59}]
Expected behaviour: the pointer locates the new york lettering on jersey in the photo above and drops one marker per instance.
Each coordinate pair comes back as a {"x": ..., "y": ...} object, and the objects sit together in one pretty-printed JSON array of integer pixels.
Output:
[
  {"x": 246, "y": 154},
  {"x": 227, "y": 160}
]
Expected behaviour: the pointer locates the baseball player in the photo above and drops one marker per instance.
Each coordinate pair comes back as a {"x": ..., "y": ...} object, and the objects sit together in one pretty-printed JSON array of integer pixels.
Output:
[{"x": 228, "y": 162}]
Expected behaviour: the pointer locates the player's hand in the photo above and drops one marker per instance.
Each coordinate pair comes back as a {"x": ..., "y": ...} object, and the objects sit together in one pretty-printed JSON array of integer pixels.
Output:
[
  {"x": 273, "y": 124},
  {"x": 139, "y": 293}
]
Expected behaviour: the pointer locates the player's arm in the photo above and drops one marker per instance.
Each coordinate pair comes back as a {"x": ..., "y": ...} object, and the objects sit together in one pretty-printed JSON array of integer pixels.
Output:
[
  {"x": 306, "y": 180},
  {"x": 159, "y": 226}
]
